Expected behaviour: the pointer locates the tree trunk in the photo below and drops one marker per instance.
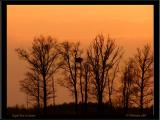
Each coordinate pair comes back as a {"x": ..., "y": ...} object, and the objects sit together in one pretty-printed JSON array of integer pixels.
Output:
[
  {"x": 81, "y": 83},
  {"x": 86, "y": 95},
  {"x": 53, "y": 91},
  {"x": 76, "y": 99},
  {"x": 45, "y": 95},
  {"x": 110, "y": 99},
  {"x": 38, "y": 100},
  {"x": 126, "y": 103},
  {"x": 141, "y": 97},
  {"x": 141, "y": 102},
  {"x": 100, "y": 102},
  {"x": 75, "y": 85}
]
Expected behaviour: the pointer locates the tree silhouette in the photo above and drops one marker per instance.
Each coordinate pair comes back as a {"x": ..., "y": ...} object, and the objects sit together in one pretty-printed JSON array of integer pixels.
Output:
[
  {"x": 112, "y": 75},
  {"x": 102, "y": 55},
  {"x": 128, "y": 77},
  {"x": 70, "y": 52},
  {"x": 41, "y": 58},
  {"x": 143, "y": 89},
  {"x": 31, "y": 86},
  {"x": 79, "y": 60},
  {"x": 93, "y": 74},
  {"x": 84, "y": 76},
  {"x": 87, "y": 76}
]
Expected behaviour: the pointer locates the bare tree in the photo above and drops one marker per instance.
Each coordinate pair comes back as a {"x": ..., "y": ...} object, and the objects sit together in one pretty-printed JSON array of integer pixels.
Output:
[
  {"x": 87, "y": 76},
  {"x": 79, "y": 60},
  {"x": 70, "y": 52},
  {"x": 128, "y": 78},
  {"x": 144, "y": 77},
  {"x": 40, "y": 58},
  {"x": 31, "y": 86},
  {"x": 112, "y": 75},
  {"x": 102, "y": 55}
]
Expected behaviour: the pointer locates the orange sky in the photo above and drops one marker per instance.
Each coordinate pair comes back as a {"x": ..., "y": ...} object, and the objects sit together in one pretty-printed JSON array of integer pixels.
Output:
[{"x": 130, "y": 25}]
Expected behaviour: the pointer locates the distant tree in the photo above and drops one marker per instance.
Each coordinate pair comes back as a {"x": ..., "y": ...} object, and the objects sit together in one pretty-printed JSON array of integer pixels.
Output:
[
  {"x": 143, "y": 84},
  {"x": 79, "y": 61},
  {"x": 84, "y": 82},
  {"x": 102, "y": 55},
  {"x": 31, "y": 86},
  {"x": 70, "y": 52},
  {"x": 111, "y": 76},
  {"x": 128, "y": 77},
  {"x": 87, "y": 77},
  {"x": 42, "y": 58}
]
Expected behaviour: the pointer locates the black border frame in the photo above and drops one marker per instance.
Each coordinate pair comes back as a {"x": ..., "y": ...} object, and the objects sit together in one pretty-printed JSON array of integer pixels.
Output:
[{"x": 82, "y": 2}]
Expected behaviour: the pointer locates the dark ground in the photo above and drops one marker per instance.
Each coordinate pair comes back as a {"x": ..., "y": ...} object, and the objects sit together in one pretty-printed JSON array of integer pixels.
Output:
[{"x": 68, "y": 111}]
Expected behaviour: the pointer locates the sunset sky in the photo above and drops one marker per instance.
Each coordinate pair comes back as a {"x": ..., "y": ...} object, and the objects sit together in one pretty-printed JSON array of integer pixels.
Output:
[{"x": 130, "y": 25}]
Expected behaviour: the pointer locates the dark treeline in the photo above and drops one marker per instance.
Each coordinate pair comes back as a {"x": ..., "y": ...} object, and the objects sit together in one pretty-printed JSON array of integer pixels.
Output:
[{"x": 89, "y": 74}]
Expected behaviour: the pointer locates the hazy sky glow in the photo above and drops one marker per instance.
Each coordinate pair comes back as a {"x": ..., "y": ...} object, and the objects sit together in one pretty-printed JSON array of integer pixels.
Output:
[{"x": 130, "y": 25}]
